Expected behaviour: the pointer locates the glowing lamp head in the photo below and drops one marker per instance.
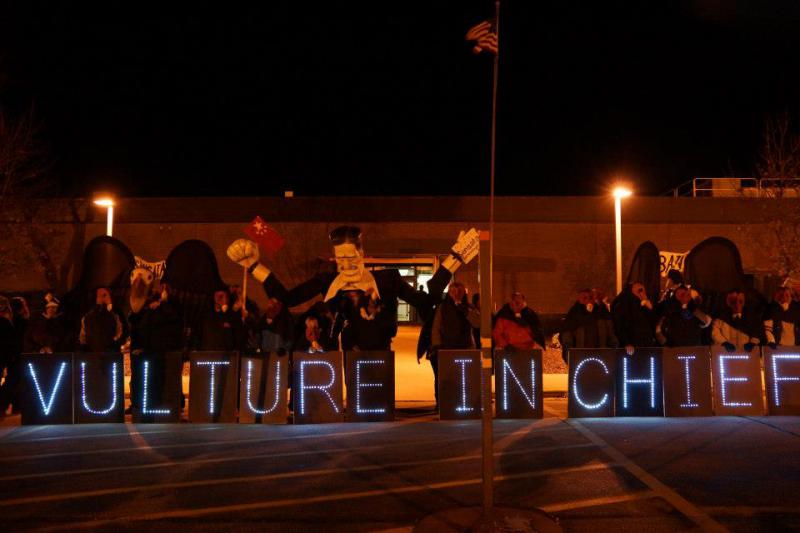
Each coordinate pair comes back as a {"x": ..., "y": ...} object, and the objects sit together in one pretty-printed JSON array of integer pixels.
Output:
[
  {"x": 622, "y": 192},
  {"x": 104, "y": 201}
]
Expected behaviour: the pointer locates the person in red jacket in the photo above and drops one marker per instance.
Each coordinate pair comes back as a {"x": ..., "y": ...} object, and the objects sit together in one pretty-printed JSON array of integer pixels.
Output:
[{"x": 517, "y": 327}]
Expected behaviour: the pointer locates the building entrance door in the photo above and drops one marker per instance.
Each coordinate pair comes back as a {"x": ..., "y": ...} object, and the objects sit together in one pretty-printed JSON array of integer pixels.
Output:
[{"x": 416, "y": 271}]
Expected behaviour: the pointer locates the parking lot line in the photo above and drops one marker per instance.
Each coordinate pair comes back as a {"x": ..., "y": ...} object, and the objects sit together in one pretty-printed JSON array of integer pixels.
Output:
[
  {"x": 85, "y": 453},
  {"x": 227, "y": 459},
  {"x": 106, "y": 435},
  {"x": 272, "y": 504},
  {"x": 748, "y": 511},
  {"x": 595, "y": 502},
  {"x": 680, "y": 503},
  {"x": 271, "y": 477}
]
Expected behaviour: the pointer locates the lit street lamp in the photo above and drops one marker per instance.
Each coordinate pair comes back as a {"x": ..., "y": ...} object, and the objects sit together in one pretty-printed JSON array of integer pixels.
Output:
[
  {"x": 107, "y": 201},
  {"x": 619, "y": 194}
]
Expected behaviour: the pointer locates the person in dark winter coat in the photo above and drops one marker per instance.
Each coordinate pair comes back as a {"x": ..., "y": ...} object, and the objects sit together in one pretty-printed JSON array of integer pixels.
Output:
[
  {"x": 314, "y": 330},
  {"x": 782, "y": 320},
  {"x": 517, "y": 327},
  {"x": 683, "y": 322},
  {"x": 634, "y": 318},
  {"x": 275, "y": 328},
  {"x": 736, "y": 327},
  {"x": 587, "y": 324},
  {"x": 47, "y": 333},
  {"x": 222, "y": 329},
  {"x": 674, "y": 280},
  {"x": 101, "y": 327},
  {"x": 476, "y": 332},
  {"x": 363, "y": 322},
  {"x": 157, "y": 328},
  {"x": 452, "y": 326},
  {"x": 453, "y": 321}
]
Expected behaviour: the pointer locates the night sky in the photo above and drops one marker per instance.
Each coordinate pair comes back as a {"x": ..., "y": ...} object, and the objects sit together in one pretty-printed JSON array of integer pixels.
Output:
[{"x": 387, "y": 98}]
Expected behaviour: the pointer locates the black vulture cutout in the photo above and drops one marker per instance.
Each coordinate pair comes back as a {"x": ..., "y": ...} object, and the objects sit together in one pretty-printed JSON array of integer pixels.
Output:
[{"x": 645, "y": 268}]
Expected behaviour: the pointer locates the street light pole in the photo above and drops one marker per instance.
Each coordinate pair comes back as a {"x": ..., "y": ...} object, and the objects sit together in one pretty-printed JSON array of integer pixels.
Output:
[
  {"x": 107, "y": 201},
  {"x": 619, "y": 194},
  {"x": 110, "y": 220}
]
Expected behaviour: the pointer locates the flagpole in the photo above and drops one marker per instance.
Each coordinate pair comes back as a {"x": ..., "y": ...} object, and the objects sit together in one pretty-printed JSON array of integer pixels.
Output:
[
  {"x": 493, "y": 145},
  {"x": 487, "y": 432}
]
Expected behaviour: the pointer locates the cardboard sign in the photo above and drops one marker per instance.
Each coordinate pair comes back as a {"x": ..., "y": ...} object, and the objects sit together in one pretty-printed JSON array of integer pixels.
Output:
[
  {"x": 782, "y": 376},
  {"x": 263, "y": 389},
  {"x": 213, "y": 387},
  {"x": 518, "y": 384},
  {"x": 638, "y": 386},
  {"x": 317, "y": 388},
  {"x": 370, "y": 386},
  {"x": 459, "y": 384},
  {"x": 157, "y": 397},
  {"x": 737, "y": 382},
  {"x": 671, "y": 261},
  {"x": 155, "y": 267},
  {"x": 591, "y": 382},
  {"x": 687, "y": 381},
  {"x": 99, "y": 388},
  {"x": 46, "y": 388}
]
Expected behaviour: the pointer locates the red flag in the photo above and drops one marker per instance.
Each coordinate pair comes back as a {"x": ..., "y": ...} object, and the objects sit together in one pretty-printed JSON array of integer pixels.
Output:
[{"x": 269, "y": 240}]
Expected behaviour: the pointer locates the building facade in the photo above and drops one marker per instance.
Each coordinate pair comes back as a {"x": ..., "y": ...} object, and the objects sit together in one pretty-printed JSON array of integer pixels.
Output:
[{"x": 546, "y": 247}]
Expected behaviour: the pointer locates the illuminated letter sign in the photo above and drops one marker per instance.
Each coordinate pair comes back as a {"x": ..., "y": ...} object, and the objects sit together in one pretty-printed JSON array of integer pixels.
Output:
[
  {"x": 263, "y": 389},
  {"x": 687, "y": 381},
  {"x": 159, "y": 394},
  {"x": 213, "y": 387},
  {"x": 782, "y": 376},
  {"x": 47, "y": 391},
  {"x": 317, "y": 388},
  {"x": 518, "y": 384},
  {"x": 591, "y": 382},
  {"x": 639, "y": 384},
  {"x": 99, "y": 388},
  {"x": 737, "y": 382},
  {"x": 370, "y": 386},
  {"x": 459, "y": 384}
]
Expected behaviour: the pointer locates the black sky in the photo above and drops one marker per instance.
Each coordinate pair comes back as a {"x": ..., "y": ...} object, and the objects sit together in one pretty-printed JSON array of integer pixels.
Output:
[{"x": 386, "y": 97}]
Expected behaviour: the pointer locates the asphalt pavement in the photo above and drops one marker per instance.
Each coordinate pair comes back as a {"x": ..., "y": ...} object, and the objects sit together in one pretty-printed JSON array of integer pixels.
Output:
[{"x": 617, "y": 474}]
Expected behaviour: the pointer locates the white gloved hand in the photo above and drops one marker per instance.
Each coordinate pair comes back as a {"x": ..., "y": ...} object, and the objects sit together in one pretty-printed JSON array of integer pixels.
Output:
[
  {"x": 467, "y": 245},
  {"x": 244, "y": 252}
]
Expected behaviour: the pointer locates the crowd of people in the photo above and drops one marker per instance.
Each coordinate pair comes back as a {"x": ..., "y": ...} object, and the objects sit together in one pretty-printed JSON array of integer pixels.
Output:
[
  {"x": 158, "y": 327},
  {"x": 676, "y": 317}
]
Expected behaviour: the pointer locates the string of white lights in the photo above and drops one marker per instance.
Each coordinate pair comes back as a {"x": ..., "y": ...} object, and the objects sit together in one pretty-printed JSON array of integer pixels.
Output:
[
  {"x": 723, "y": 380},
  {"x": 145, "y": 394},
  {"x": 275, "y": 400},
  {"x": 575, "y": 393},
  {"x": 464, "y": 408},
  {"x": 213, "y": 367},
  {"x": 84, "y": 399},
  {"x": 686, "y": 359},
  {"x": 638, "y": 381},
  {"x": 776, "y": 379},
  {"x": 360, "y": 386},
  {"x": 47, "y": 406},
  {"x": 323, "y": 388},
  {"x": 508, "y": 370}
]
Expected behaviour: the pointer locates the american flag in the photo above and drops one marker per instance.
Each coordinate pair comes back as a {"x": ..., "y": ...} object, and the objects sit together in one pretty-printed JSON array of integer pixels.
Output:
[
  {"x": 485, "y": 37},
  {"x": 265, "y": 236}
]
